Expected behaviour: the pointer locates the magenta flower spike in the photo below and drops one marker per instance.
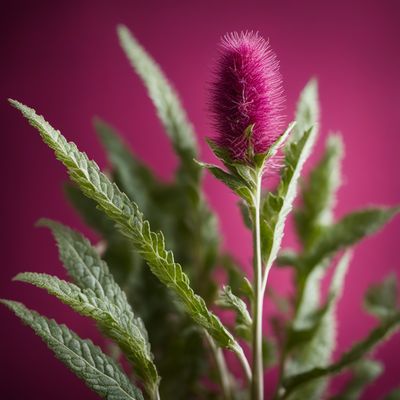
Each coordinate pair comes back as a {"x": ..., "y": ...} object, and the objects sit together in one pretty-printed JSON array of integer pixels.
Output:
[{"x": 247, "y": 92}]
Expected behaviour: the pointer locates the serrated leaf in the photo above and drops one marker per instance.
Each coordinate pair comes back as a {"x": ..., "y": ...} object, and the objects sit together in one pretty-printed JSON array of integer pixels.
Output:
[
  {"x": 318, "y": 193},
  {"x": 236, "y": 183},
  {"x": 363, "y": 373},
  {"x": 313, "y": 335},
  {"x": 358, "y": 351},
  {"x": 164, "y": 97},
  {"x": 307, "y": 112},
  {"x": 123, "y": 262},
  {"x": 229, "y": 300},
  {"x": 346, "y": 232},
  {"x": 381, "y": 300},
  {"x": 130, "y": 220},
  {"x": 278, "y": 205},
  {"x": 133, "y": 175},
  {"x": 120, "y": 325},
  {"x": 87, "y": 361}
]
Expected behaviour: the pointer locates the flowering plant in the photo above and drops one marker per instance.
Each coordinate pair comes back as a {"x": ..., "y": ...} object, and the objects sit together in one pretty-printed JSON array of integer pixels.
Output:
[{"x": 156, "y": 311}]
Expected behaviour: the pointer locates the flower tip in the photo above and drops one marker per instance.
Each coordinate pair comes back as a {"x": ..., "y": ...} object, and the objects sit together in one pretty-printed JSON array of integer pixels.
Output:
[{"x": 247, "y": 91}]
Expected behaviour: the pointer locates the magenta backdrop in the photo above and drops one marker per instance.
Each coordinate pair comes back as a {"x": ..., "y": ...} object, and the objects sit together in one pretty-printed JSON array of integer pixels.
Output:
[{"x": 63, "y": 59}]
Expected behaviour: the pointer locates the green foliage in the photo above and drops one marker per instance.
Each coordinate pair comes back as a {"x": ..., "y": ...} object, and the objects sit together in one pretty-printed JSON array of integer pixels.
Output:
[
  {"x": 130, "y": 221},
  {"x": 381, "y": 300},
  {"x": 358, "y": 351},
  {"x": 363, "y": 373},
  {"x": 82, "y": 357},
  {"x": 162, "y": 94},
  {"x": 230, "y": 301},
  {"x": 277, "y": 206},
  {"x": 174, "y": 304}
]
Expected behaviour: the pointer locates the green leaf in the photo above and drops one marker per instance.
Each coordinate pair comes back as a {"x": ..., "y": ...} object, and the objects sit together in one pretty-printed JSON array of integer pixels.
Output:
[
  {"x": 132, "y": 174},
  {"x": 120, "y": 325},
  {"x": 130, "y": 220},
  {"x": 346, "y": 232},
  {"x": 381, "y": 300},
  {"x": 363, "y": 373},
  {"x": 164, "y": 97},
  {"x": 123, "y": 262},
  {"x": 307, "y": 113},
  {"x": 313, "y": 335},
  {"x": 318, "y": 193},
  {"x": 229, "y": 300},
  {"x": 278, "y": 205},
  {"x": 358, "y": 351},
  {"x": 234, "y": 182},
  {"x": 82, "y": 357}
]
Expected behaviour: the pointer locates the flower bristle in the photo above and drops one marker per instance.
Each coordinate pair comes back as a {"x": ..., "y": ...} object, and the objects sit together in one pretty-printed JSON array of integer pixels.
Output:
[{"x": 247, "y": 91}]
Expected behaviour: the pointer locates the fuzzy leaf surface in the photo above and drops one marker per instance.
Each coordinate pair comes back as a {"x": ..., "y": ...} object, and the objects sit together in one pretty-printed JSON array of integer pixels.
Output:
[
  {"x": 313, "y": 336},
  {"x": 347, "y": 231},
  {"x": 358, "y": 351},
  {"x": 164, "y": 97},
  {"x": 318, "y": 193},
  {"x": 277, "y": 206},
  {"x": 130, "y": 220},
  {"x": 82, "y": 357},
  {"x": 123, "y": 328}
]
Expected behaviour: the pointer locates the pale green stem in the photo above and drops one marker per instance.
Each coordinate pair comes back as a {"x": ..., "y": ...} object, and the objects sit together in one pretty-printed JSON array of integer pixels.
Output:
[
  {"x": 223, "y": 372},
  {"x": 257, "y": 385}
]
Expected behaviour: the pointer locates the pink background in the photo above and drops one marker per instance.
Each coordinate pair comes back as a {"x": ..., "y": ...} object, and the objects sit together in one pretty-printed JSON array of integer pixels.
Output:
[{"x": 63, "y": 59}]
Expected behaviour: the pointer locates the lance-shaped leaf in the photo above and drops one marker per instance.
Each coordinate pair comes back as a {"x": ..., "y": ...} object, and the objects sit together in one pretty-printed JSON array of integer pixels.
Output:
[
  {"x": 130, "y": 220},
  {"x": 358, "y": 351},
  {"x": 277, "y": 205},
  {"x": 123, "y": 328},
  {"x": 82, "y": 357},
  {"x": 313, "y": 336},
  {"x": 164, "y": 97},
  {"x": 230, "y": 301},
  {"x": 307, "y": 112},
  {"x": 236, "y": 183},
  {"x": 381, "y": 300},
  {"x": 346, "y": 232},
  {"x": 363, "y": 373},
  {"x": 318, "y": 193},
  {"x": 137, "y": 179}
]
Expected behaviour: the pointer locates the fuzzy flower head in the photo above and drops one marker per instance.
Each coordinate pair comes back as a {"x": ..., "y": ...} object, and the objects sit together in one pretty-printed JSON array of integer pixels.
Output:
[{"x": 247, "y": 95}]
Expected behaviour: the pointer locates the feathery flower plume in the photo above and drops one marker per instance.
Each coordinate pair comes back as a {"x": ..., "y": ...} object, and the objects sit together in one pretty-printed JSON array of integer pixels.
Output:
[{"x": 247, "y": 92}]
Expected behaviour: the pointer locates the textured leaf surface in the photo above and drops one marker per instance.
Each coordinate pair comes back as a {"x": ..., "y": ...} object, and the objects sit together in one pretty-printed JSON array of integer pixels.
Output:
[
  {"x": 134, "y": 176},
  {"x": 313, "y": 336},
  {"x": 229, "y": 300},
  {"x": 318, "y": 193},
  {"x": 164, "y": 97},
  {"x": 347, "y": 231},
  {"x": 129, "y": 219},
  {"x": 358, "y": 351},
  {"x": 82, "y": 357},
  {"x": 120, "y": 326},
  {"x": 307, "y": 112},
  {"x": 278, "y": 205},
  {"x": 363, "y": 373}
]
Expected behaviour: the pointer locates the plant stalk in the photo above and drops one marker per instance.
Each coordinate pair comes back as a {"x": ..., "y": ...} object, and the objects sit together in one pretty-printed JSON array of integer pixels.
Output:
[
  {"x": 223, "y": 372},
  {"x": 257, "y": 384}
]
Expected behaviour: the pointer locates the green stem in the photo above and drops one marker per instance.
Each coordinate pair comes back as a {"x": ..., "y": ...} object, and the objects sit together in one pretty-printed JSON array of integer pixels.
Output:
[
  {"x": 257, "y": 384},
  {"x": 223, "y": 372}
]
